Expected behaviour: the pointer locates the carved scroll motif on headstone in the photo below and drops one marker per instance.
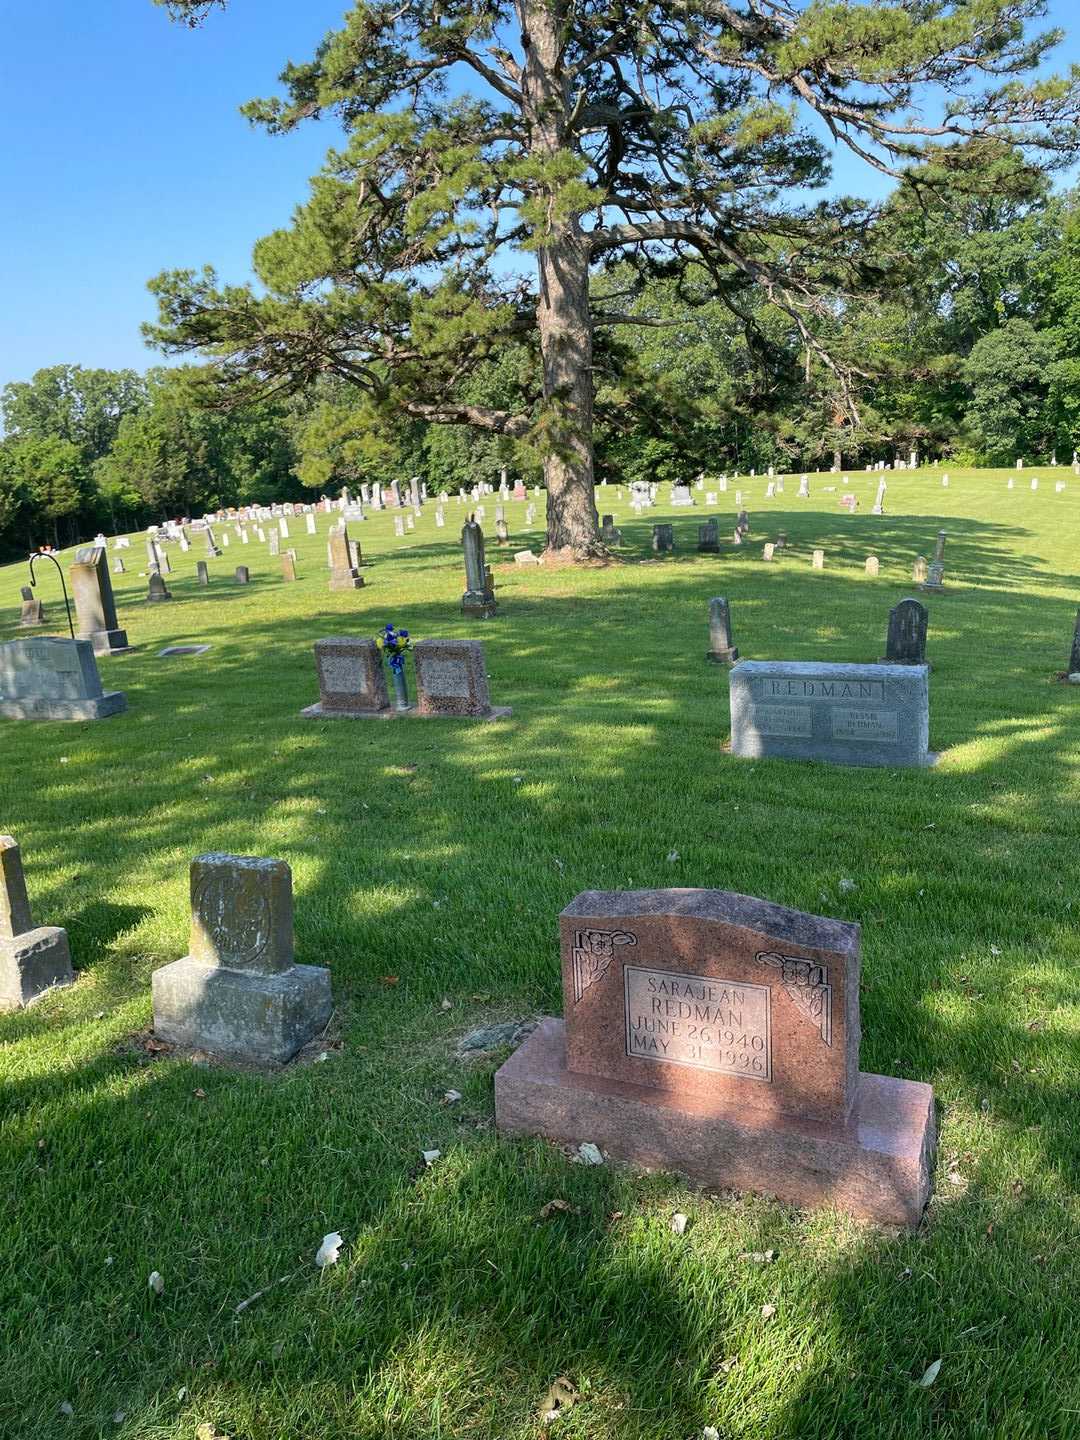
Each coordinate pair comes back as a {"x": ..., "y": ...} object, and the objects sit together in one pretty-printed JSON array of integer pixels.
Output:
[
  {"x": 594, "y": 951},
  {"x": 807, "y": 985}
]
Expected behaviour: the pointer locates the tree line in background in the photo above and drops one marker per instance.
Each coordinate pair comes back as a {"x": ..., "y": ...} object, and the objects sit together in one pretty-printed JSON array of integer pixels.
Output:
[{"x": 975, "y": 357}]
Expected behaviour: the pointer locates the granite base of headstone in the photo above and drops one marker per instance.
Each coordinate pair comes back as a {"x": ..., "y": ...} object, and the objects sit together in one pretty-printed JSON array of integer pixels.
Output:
[
  {"x": 451, "y": 681},
  {"x": 846, "y": 714},
  {"x": 352, "y": 681},
  {"x": 53, "y": 679},
  {"x": 33, "y": 958},
  {"x": 717, "y": 1035},
  {"x": 238, "y": 992}
]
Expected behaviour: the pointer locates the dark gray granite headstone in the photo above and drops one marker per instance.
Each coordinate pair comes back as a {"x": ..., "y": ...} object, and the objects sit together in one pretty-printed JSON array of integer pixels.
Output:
[
  {"x": 905, "y": 643},
  {"x": 663, "y": 538},
  {"x": 1074, "y": 655},
  {"x": 849, "y": 714},
  {"x": 709, "y": 537}
]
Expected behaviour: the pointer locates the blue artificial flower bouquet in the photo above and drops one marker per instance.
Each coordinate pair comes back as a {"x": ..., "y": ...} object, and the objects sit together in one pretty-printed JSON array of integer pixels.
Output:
[{"x": 393, "y": 644}]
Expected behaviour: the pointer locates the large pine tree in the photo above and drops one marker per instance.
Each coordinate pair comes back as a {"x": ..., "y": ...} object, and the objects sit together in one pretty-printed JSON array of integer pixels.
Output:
[{"x": 499, "y": 154}]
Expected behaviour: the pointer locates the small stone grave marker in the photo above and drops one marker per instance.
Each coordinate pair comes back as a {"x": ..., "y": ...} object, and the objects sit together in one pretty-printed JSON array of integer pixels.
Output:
[
  {"x": 344, "y": 573},
  {"x": 238, "y": 991},
  {"x": 721, "y": 651},
  {"x": 33, "y": 959},
  {"x": 32, "y": 612}
]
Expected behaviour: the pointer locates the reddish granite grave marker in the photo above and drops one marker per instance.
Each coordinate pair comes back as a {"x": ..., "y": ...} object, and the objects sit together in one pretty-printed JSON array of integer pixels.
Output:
[{"x": 718, "y": 1035}]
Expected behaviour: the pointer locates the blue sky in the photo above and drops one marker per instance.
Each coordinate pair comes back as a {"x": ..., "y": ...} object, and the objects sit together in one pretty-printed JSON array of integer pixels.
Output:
[{"x": 122, "y": 153}]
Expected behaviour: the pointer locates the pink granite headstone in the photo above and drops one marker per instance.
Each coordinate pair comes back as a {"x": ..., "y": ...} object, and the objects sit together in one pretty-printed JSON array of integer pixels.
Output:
[{"x": 718, "y": 1035}]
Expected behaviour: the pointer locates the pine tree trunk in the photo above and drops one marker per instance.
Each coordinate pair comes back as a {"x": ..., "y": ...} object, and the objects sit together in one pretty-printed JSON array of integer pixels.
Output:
[
  {"x": 566, "y": 351},
  {"x": 562, "y": 310}
]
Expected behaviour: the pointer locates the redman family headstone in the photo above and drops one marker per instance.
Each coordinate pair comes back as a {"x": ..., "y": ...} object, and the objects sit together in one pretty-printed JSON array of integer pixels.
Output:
[
  {"x": 238, "y": 991},
  {"x": 848, "y": 714},
  {"x": 53, "y": 679},
  {"x": 718, "y": 1035},
  {"x": 33, "y": 959}
]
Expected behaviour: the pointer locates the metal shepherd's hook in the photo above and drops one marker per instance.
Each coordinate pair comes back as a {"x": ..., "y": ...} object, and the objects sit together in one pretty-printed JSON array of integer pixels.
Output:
[{"x": 44, "y": 554}]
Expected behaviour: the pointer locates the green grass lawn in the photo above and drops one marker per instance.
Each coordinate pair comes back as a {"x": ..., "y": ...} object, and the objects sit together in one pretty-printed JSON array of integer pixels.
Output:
[{"x": 430, "y": 862}]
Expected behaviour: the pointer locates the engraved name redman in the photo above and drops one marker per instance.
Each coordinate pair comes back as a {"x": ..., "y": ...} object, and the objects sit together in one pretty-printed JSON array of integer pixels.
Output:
[{"x": 783, "y": 687}]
